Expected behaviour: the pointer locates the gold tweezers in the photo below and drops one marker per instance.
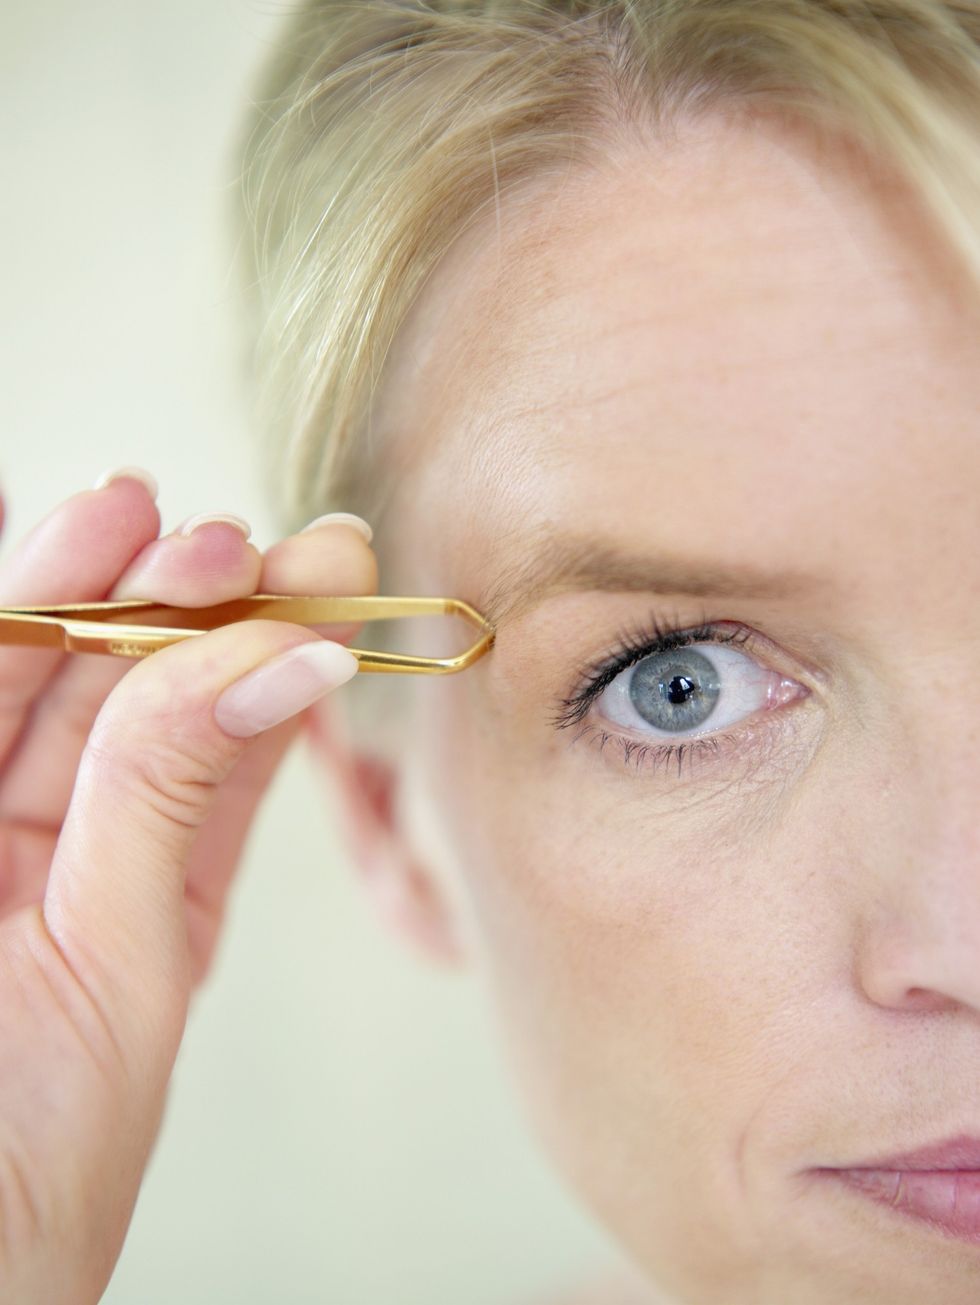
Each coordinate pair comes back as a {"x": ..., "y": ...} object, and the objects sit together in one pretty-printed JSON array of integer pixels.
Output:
[{"x": 106, "y": 627}]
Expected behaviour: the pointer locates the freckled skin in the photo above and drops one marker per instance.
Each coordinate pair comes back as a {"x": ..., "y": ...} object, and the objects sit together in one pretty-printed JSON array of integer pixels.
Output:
[{"x": 750, "y": 347}]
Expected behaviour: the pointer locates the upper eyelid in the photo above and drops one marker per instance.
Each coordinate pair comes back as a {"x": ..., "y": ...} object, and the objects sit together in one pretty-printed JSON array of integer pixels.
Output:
[
  {"x": 621, "y": 659},
  {"x": 794, "y": 664}
]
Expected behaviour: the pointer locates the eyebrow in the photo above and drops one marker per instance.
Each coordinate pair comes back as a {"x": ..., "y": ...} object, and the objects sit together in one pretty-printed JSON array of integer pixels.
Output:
[{"x": 560, "y": 562}]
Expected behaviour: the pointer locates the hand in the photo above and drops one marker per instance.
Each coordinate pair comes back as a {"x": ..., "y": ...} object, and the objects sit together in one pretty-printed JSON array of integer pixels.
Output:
[{"x": 124, "y": 806}]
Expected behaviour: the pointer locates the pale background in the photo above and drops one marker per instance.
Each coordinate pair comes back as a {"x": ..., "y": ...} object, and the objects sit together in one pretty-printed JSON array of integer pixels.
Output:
[{"x": 340, "y": 1126}]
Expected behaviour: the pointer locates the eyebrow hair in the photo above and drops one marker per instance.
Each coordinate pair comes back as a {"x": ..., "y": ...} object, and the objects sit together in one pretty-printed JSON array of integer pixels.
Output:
[{"x": 566, "y": 562}]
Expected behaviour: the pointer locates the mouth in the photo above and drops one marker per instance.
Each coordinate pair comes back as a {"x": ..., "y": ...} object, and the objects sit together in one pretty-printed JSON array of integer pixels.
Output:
[{"x": 937, "y": 1184}]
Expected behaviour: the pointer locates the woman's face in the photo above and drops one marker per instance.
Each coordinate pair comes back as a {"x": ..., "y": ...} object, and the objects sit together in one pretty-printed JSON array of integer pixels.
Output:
[{"x": 726, "y": 383}]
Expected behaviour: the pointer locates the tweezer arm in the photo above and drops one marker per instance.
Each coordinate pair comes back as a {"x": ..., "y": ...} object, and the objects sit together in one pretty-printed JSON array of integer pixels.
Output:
[{"x": 107, "y": 627}]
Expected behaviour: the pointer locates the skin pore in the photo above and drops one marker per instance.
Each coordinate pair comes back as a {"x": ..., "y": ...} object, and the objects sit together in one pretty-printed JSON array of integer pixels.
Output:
[{"x": 745, "y": 350}]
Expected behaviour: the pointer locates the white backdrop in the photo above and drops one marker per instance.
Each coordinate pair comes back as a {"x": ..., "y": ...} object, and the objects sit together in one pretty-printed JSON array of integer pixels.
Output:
[{"x": 340, "y": 1127}]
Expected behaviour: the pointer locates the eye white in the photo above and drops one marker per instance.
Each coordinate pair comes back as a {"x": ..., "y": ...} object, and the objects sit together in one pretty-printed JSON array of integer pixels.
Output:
[{"x": 743, "y": 687}]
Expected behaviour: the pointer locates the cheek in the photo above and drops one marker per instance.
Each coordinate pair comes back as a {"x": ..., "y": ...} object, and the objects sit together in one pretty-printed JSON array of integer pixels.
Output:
[
  {"x": 645, "y": 958},
  {"x": 621, "y": 970},
  {"x": 615, "y": 944}
]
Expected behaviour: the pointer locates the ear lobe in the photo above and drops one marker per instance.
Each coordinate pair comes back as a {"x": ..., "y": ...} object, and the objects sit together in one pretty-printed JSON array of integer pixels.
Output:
[
  {"x": 404, "y": 891},
  {"x": 410, "y": 904}
]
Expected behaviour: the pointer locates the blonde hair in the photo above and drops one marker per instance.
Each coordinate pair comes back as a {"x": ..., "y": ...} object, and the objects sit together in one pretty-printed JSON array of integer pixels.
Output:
[{"x": 380, "y": 130}]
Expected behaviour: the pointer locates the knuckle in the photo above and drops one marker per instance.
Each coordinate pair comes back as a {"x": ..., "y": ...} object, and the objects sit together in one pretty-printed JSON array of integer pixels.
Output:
[
  {"x": 164, "y": 773},
  {"x": 169, "y": 756},
  {"x": 172, "y": 783}
]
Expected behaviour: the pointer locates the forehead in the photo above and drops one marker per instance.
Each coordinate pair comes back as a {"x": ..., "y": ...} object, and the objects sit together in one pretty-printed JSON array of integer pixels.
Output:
[{"x": 747, "y": 342}]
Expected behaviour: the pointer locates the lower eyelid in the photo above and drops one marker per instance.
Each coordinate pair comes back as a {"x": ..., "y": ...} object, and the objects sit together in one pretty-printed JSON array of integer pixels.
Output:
[
  {"x": 632, "y": 756},
  {"x": 751, "y": 740}
]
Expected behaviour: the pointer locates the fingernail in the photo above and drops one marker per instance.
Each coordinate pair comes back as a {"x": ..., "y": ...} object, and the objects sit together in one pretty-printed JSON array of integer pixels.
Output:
[
  {"x": 347, "y": 518},
  {"x": 282, "y": 686},
  {"x": 190, "y": 525},
  {"x": 137, "y": 473}
]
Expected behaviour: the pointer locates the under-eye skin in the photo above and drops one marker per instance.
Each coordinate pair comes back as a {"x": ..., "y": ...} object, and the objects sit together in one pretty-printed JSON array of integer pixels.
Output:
[{"x": 689, "y": 685}]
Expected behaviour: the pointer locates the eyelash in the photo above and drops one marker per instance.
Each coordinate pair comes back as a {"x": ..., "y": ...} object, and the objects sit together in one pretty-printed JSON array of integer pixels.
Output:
[{"x": 631, "y": 646}]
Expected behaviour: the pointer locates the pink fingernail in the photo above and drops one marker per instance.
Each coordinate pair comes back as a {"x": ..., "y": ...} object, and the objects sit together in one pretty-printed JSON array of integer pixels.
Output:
[
  {"x": 282, "y": 686},
  {"x": 137, "y": 473},
  {"x": 190, "y": 525},
  {"x": 342, "y": 518}
]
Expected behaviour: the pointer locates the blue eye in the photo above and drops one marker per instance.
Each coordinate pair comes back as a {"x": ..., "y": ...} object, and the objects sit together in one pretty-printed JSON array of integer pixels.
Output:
[
  {"x": 684, "y": 691},
  {"x": 674, "y": 696}
]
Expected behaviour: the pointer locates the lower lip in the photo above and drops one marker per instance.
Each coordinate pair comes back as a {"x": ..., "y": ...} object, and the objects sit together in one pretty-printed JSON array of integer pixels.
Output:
[{"x": 947, "y": 1199}]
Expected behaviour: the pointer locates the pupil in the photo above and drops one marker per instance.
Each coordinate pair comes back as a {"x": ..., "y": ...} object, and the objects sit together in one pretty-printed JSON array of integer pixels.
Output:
[{"x": 680, "y": 689}]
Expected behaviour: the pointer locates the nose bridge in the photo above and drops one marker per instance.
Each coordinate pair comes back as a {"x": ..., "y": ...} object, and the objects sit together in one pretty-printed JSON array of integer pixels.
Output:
[
  {"x": 933, "y": 796},
  {"x": 921, "y": 941},
  {"x": 939, "y": 707}
]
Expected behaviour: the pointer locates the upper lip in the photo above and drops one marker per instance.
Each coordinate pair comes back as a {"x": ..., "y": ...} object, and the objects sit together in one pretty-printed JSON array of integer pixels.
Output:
[{"x": 959, "y": 1152}]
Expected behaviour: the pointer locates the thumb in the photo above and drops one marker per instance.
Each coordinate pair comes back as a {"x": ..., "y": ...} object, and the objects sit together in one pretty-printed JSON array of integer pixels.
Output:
[{"x": 164, "y": 740}]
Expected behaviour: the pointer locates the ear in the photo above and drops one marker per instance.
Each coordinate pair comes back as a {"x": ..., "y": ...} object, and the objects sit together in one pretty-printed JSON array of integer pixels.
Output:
[{"x": 406, "y": 893}]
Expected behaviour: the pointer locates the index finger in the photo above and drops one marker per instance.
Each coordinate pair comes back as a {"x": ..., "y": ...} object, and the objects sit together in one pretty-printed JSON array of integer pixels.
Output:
[{"x": 300, "y": 564}]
